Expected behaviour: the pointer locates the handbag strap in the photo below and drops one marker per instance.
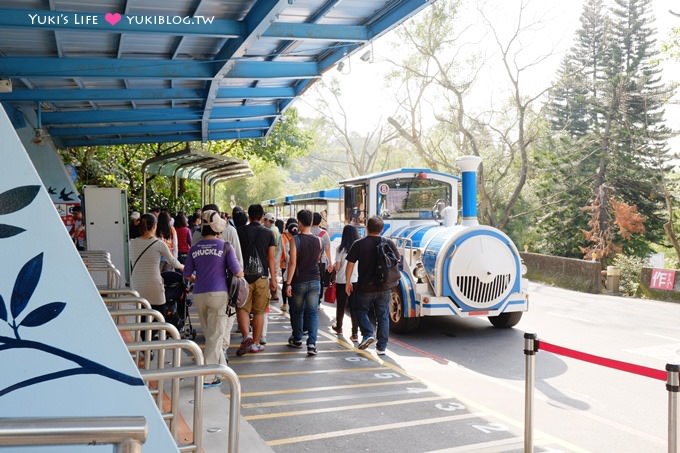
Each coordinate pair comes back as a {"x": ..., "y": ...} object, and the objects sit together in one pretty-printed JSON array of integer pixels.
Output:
[{"x": 132, "y": 269}]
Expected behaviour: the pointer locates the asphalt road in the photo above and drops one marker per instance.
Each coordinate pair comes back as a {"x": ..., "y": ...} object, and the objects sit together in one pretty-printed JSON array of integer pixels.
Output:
[{"x": 578, "y": 406}]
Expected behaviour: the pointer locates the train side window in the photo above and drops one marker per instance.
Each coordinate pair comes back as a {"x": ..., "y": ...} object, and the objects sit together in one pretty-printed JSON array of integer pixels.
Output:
[{"x": 355, "y": 204}]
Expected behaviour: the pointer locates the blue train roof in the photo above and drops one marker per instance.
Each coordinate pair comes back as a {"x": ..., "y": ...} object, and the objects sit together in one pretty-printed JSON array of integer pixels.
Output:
[
  {"x": 380, "y": 174},
  {"x": 325, "y": 194}
]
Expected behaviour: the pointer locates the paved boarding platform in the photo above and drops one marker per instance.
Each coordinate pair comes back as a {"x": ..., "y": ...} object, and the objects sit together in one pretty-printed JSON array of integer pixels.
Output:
[{"x": 349, "y": 400}]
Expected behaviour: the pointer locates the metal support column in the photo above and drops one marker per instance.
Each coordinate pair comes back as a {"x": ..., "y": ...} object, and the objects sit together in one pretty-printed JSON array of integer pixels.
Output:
[
  {"x": 530, "y": 349},
  {"x": 673, "y": 386}
]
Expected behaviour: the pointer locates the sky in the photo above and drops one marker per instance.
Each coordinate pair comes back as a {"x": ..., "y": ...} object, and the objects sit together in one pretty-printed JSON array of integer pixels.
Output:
[{"x": 369, "y": 101}]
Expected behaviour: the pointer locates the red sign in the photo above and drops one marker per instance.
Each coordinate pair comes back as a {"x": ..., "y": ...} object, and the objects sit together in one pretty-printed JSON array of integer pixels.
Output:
[{"x": 662, "y": 279}]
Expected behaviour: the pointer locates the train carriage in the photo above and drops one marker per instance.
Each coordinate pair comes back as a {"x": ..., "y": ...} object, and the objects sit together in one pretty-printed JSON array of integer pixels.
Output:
[{"x": 448, "y": 267}]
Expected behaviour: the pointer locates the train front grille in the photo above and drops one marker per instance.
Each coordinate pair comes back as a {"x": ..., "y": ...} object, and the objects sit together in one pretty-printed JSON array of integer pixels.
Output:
[{"x": 474, "y": 290}]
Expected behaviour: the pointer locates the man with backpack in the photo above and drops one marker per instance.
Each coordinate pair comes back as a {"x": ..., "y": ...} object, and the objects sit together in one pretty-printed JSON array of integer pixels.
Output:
[
  {"x": 302, "y": 283},
  {"x": 259, "y": 269},
  {"x": 378, "y": 274}
]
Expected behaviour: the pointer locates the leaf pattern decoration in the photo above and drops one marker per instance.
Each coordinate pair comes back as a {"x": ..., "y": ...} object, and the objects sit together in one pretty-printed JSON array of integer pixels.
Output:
[
  {"x": 7, "y": 231},
  {"x": 17, "y": 198},
  {"x": 25, "y": 284},
  {"x": 3, "y": 309},
  {"x": 43, "y": 315}
]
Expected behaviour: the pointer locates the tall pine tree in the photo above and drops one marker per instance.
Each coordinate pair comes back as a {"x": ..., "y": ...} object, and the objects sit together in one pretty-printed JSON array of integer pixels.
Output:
[{"x": 606, "y": 111}]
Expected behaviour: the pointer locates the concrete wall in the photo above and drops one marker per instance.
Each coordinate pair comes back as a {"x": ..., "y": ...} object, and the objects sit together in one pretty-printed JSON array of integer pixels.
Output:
[{"x": 567, "y": 273}]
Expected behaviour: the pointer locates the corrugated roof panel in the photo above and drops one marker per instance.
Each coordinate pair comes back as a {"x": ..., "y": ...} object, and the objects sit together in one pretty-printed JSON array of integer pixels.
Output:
[
  {"x": 143, "y": 72},
  {"x": 199, "y": 47},
  {"x": 27, "y": 42},
  {"x": 79, "y": 44},
  {"x": 116, "y": 84},
  {"x": 148, "y": 45}
]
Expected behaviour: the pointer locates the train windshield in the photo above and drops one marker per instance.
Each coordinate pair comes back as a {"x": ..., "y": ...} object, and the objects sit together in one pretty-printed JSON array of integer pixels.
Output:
[{"x": 411, "y": 199}]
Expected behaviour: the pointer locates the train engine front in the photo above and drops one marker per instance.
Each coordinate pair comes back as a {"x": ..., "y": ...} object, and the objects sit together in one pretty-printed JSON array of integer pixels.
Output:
[{"x": 462, "y": 269}]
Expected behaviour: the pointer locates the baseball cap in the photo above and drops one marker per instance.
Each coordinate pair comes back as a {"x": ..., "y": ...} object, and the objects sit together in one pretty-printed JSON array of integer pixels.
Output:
[
  {"x": 269, "y": 216},
  {"x": 214, "y": 221},
  {"x": 135, "y": 215}
]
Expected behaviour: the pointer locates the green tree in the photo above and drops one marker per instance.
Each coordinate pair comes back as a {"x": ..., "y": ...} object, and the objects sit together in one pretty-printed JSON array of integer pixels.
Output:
[
  {"x": 442, "y": 72},
  {"x": 609, "y": 151},
  {"x": 120, "y": 165}
]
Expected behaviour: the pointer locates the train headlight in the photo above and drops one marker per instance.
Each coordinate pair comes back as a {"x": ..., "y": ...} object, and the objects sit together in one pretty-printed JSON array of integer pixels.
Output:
[{"x": 419, "y": 272}]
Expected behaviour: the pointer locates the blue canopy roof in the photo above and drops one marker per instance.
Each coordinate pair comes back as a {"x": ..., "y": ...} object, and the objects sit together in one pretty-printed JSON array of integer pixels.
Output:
[{"x": 146, "y": 71}]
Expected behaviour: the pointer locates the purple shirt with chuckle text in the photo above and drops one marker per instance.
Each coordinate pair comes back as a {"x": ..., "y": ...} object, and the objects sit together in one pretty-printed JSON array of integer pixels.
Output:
[{"x": 208, "y": 260}]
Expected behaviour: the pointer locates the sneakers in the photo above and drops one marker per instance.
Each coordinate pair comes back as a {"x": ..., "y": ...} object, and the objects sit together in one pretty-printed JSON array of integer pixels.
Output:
[
  {"x": 245, "y": 346},
  {"x": 255, "y": 348},
  {"x": 380, "y": 351},
  {"x": 311, "y": 349},
  {"x": 214, "y": 383},
  {"x": 366, "y": 342},
  {"x": 284, "y": 307},
  {"x": 354, "y": 338},
  {"x": 294, "y": 344},
  {"x": 336, "y": 329},
  {"x": 263, "y": 340}
]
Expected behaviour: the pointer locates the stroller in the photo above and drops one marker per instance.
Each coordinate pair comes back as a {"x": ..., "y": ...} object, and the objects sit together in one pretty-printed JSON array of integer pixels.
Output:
[{"x": 176, "y": 307}]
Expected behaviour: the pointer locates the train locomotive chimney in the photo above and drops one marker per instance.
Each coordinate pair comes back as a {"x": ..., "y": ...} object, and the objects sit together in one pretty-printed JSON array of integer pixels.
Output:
[{"x": 468, "y": 166}]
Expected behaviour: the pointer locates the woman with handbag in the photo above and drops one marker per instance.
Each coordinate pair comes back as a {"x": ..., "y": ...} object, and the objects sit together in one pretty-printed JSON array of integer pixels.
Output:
[
  {"x": 349, "y": 235},
  {"x": 145, "y": 258}
]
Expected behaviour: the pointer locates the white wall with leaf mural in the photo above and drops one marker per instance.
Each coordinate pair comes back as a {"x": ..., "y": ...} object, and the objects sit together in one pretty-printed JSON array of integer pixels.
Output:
[{"x": 61, "y": 353}]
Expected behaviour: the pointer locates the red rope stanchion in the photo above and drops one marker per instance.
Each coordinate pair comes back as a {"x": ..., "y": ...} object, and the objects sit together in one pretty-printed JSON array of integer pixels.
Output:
[{"x": 603, "y": 361}]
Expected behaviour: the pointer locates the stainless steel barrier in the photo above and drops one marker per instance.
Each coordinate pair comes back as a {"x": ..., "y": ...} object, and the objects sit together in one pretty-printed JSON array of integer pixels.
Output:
[
  {"x": 126, "y": 433},
  {"x": 163, "y": 328},
  {"x": 176, "y": 346},
  {"x": 139, "y": 302},
  {"x": 120, "y": 292},
  {"x": 137, "y": 313},
  {"x": 113, "y": 277},
  {"x": 198, "y": 372}
]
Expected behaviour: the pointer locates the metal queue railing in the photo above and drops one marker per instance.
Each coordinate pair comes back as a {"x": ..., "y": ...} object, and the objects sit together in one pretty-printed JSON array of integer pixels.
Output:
[
  {"x": 197, "y": 372},
  {"x": 127, "y": 434},
  {"x": 100, "y": 261},
  {"x": 176, "y": 344},
  {"x": 532, "y": 345}
]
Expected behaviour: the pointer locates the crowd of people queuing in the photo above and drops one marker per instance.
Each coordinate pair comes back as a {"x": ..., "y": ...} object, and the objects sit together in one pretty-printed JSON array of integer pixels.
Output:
[{"x": 251, "y": 249}]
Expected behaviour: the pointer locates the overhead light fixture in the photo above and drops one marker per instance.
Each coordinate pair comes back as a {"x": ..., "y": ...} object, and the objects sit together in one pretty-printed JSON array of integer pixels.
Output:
[
  {"x": 366, "y": 56},
  {"x": 5, "y": 86},
  {"x": 341, "y": 66},
  {"x": 39, "y": 135}
]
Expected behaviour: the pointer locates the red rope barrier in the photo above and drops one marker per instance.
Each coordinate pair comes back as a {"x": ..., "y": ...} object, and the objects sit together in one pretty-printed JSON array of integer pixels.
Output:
[{"x": 603, "y": 361}]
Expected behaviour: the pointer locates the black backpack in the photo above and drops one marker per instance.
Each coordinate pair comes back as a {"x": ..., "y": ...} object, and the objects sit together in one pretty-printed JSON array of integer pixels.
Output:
[
  {"x": 387, "y": 264},
  {"x": 253, "y": 268}
]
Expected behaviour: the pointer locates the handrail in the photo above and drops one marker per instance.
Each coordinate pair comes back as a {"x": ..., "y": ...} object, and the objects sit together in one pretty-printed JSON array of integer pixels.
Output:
[
  {"x": 198, "y": 372},
  {"x": 117, "y": 292},
  {"x": 163, "y": 328},
  {"x": 129, "y": 300},
  {"x": 137, "y": 313},
  {"x": 177, "y": 346},
  {"x": 126, "y": 433},
  {"x": 113, "y": 276}
]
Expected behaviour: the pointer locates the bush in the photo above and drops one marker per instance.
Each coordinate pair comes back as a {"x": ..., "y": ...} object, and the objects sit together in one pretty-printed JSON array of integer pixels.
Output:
[{"x": 631, "y": 267}]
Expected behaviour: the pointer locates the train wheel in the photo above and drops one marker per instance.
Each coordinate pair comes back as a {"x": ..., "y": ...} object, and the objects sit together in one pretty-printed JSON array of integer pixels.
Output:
[
  {"x": 506, "y": 320},
  {"x": 399, "y": 323}
]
